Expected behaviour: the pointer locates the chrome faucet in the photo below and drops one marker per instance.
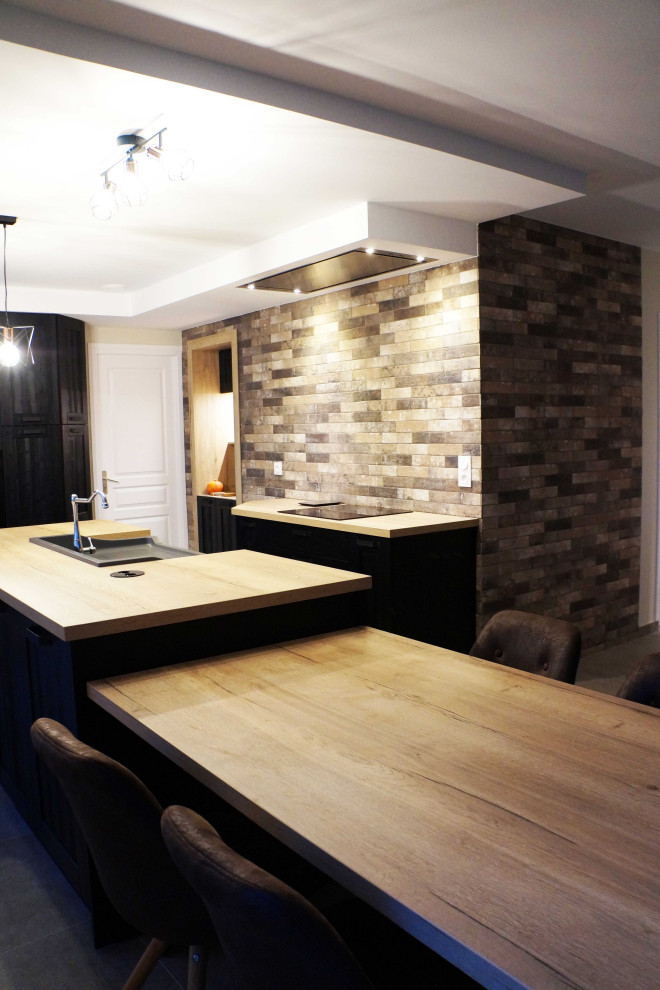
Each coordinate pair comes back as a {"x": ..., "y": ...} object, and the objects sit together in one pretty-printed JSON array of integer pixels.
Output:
[{"x": 77, "y": 539}]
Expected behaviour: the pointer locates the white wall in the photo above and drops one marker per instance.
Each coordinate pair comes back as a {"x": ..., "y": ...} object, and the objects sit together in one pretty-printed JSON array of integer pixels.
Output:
[
  {"x": 649, "y": 607},
  {"x": 112, "y": 335}
]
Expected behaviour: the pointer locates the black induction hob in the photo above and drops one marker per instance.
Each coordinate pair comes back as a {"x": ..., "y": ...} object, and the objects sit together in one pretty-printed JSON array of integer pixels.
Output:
[{"x": 340, "y": 511}]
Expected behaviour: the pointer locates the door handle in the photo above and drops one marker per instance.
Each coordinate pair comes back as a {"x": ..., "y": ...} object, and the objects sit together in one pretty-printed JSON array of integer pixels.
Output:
[{"x": 105, "y": 479}]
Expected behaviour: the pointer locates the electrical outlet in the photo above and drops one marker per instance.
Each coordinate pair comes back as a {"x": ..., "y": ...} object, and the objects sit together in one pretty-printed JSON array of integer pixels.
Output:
[
  {"x": 465, "y": 471},
  {"x": 277, "y": 468}
]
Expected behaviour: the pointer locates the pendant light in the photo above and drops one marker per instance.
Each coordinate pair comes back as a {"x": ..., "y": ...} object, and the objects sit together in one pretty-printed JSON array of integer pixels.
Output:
[{"x": 15, "y": 342}]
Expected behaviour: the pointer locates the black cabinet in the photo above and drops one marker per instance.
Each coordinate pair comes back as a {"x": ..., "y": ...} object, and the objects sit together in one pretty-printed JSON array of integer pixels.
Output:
[
  {"x": 41, "y": 675},
  {"x": 216, "y": 527},
  {"x": 32, "y": 474},
  {"x": 36, "y": 680},
  {"x": 423, "y": 586},
  {"x": 44, "y": 456}
]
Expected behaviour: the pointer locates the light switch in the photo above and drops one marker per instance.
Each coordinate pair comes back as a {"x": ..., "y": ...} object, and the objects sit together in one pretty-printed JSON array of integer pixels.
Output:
[
  {"x": 465, "y": 471},
  {"x": 277, "y": 468}
]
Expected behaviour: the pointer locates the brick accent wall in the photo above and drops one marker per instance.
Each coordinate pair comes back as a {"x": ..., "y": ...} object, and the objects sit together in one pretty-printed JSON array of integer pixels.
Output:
[
  {"x": 560, "y": 324},
  {"x": 368, "y": 393},
  {"x": 530, "y": 361}
]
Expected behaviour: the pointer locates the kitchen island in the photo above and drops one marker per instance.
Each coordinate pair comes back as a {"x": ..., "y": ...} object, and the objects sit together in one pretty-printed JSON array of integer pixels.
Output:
[
  {"x": 422, "y": 564},
  {"x": 65, "y": 622},
  {"x": 507, "y": 820}
]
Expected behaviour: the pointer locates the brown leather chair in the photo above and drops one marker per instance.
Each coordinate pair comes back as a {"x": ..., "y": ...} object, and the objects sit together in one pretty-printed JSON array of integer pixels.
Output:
[
  {"x": 120, "y": 820},
  {"x": 272, "y": 938},
  {"x": 642, "y": 684},
  {"x": 538, "y": 644}
]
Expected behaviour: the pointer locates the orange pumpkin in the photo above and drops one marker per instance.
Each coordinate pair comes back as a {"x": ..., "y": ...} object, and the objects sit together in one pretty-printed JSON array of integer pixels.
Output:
[{"x": 214, "y": 486}]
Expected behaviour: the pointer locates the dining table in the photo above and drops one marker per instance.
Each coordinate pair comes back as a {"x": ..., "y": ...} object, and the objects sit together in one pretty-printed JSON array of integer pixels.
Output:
[{"x": 508, "y": 821}]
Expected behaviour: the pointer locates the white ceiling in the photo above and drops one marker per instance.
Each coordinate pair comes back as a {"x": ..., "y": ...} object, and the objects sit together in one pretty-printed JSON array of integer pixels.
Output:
[{"x": 439, "y": 113}]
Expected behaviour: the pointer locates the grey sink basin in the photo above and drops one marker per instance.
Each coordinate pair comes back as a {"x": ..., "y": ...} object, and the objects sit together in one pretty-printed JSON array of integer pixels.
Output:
[{"x": 108, "y": 552}]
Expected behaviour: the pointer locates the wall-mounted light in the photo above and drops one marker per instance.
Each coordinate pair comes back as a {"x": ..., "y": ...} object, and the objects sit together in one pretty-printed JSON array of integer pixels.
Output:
[
  {"x": 15, "y": 342},
  {"x": 126, "y": 180}
]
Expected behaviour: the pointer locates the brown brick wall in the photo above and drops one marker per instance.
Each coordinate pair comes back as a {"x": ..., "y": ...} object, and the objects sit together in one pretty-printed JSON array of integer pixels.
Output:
[
  {"x": 560, "y": 325},
  {"x": 368, "y": 393},
  {"x": 534, "y": 358}
]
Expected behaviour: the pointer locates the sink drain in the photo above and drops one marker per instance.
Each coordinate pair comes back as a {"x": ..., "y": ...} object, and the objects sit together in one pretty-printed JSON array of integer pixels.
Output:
[{"x": 126, "y": 573}]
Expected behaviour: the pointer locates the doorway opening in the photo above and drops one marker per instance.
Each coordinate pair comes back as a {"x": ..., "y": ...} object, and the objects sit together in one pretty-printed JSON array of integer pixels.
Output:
[{"x": 215, "y": 442}]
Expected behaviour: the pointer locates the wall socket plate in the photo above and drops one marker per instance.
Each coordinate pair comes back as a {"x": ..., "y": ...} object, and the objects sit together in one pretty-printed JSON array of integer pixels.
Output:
[
  {"x": 277, "y": 468},
  {"x": 464, "y": 471}
]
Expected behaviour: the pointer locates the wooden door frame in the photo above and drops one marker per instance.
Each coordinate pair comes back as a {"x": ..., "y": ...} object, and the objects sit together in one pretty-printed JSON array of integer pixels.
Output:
[{"x": 212, "y": 342}]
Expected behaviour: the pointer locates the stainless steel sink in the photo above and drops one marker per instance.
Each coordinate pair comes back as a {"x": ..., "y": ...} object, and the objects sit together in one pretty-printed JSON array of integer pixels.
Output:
[{"x": 106, "y": 553}]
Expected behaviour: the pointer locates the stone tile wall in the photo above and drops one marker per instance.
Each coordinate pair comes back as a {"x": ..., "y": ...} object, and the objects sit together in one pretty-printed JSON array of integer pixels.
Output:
[
  {"x": 532, "y": 357},
  {"x": 560, "y": 326},
  {"x": 368, "y": 393}
]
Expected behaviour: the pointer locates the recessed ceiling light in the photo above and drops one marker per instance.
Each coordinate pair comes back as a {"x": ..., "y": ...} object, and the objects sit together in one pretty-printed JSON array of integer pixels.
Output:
[
  {"x": 420, "y": 257},
  {"x": 251, "y": 285},
  {"x": 297, "y": 291},
  {"x": 369, "y": 250}
]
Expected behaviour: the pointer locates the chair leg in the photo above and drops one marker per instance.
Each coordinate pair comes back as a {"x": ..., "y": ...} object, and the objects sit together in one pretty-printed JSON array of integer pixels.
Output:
[
  {"x": 146, "y": 963},
  {"x": 198, "y": 957}
]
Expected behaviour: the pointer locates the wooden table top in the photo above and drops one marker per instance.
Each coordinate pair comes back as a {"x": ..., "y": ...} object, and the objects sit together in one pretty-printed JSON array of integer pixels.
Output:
[
  {"x": 74, "y": 600},
  {"x": 508, "y": 821},
  {"x": 399, "y": 524}
]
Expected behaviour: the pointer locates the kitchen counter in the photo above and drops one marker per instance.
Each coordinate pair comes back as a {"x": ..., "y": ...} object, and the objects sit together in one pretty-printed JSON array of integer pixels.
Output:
[
  {"x": 391, "y": 526},
  {"x": 74, "y": 601},
  {"x": 64, "y": 622},
  {"x": 507, "y": 820}
]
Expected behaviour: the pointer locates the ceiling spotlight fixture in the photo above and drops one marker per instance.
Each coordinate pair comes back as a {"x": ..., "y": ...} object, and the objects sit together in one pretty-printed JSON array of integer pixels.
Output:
[
  {"x": 369, "y": 250},
  {"x": 420, "y": 257},
  {"x": 126, "y": 180},
  {"x": 15, "y": 342}
]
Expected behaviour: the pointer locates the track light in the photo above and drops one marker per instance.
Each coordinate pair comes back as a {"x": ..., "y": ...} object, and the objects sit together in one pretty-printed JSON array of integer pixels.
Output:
[
  {"x": 15, "y": 342},
  {"x": 126, "y": 180}
]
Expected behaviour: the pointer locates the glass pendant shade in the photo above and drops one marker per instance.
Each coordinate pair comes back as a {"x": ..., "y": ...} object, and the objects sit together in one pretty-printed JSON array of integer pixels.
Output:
[
  {"x": 104, "y": 204},
  {"x": 16, "y": 346},
  {"x": 130, "y": 186},
  {"x": 15, "y": 342}
]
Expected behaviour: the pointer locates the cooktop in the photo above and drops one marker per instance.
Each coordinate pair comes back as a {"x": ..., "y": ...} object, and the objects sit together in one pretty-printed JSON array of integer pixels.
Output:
[{"x": 340, "y": 511}]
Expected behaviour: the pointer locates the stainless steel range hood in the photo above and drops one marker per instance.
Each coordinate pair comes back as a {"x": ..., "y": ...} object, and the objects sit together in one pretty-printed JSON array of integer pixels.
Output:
[{"x": 342, "y": 269}]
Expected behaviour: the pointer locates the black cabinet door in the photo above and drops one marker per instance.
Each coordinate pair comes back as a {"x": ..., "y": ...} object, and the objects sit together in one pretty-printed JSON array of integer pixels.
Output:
[
  {"x": 75, "y": 470},
  {"x": 32, "y": 474},
  {"x": 71, "y": 370},
  {"x": 29, "y": 394},
  {"x": 216, "y": 529}
]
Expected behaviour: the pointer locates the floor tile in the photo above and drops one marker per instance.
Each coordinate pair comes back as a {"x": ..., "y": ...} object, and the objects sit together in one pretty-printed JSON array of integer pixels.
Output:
[{"x": 36, "y": 899}]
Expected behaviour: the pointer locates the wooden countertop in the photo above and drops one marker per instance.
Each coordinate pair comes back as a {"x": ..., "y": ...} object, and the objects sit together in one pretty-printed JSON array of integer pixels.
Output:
[
  {"x": 401, "y": 524},
  {"x": 507, "y": 820},
  {"x": 74, "y": 600}
]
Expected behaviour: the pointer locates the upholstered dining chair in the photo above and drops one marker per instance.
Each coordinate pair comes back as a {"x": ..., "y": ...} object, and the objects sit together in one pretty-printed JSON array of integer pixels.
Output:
[
  {"x": 642, "y": 683},
  {"x": 539, "y": 644},
  {"x": 120, "y": 821},
  {"x": 272, "y": 938}
]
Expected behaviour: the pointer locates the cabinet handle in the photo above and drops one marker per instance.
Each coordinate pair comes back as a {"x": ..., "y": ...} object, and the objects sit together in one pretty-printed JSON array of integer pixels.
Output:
[
  {"x": 361, "y": 542},
  {"x": 40, "y": 636}
]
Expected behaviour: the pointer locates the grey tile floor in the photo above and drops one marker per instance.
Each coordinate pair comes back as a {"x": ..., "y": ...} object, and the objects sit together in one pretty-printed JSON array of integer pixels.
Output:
[{"x": 45, "y": 936}]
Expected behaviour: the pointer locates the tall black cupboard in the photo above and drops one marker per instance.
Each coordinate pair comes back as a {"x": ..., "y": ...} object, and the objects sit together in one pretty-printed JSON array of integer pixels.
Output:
[{"x": 44, "y": 443}]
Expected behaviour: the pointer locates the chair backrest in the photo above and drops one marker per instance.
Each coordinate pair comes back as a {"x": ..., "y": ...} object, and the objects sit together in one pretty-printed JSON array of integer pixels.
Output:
[
  {"x": 272, "y": 938},
  {"x": 642, "y": 683},
  {"x": 538, "y": 644},
  {"x": 120, "y": 820}
]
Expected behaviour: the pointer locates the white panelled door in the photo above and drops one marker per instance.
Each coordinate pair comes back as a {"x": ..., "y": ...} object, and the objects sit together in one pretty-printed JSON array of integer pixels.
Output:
[{"x": 137, "y": 437}]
